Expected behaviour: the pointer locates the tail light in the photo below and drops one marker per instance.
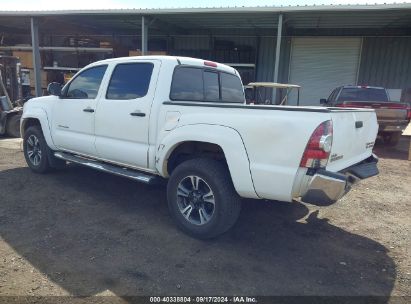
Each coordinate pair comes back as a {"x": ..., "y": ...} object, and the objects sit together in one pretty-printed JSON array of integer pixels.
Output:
[
  {"x": 409, "y": 113},
  {"x": 318, "y": 147}
]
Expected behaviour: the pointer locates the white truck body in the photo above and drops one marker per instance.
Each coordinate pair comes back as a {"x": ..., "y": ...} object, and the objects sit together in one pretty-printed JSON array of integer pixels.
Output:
[{"x": 262, "y": 145}]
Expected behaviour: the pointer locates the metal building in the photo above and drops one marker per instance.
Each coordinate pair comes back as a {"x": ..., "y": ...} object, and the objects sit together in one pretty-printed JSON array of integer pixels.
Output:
[{"x": 317, "y": 47}]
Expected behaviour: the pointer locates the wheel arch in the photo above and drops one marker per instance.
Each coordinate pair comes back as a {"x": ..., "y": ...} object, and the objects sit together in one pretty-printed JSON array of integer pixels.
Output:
[
  {"x": 203, "y": 140},
  {"x": 37, "y": 117}
]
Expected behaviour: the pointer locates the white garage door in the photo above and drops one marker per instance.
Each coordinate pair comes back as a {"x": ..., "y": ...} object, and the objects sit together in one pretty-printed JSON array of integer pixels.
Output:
[{"x": 321, "y": 64}]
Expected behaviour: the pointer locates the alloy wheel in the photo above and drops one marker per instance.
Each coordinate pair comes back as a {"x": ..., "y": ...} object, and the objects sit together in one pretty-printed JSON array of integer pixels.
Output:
[
  {"x": 195, "y": 200},
  {"x": 33, "y": 150}
]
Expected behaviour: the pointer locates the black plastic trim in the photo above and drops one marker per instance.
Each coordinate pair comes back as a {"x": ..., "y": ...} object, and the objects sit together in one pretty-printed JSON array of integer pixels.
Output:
[{"x": 366, "y": 168}]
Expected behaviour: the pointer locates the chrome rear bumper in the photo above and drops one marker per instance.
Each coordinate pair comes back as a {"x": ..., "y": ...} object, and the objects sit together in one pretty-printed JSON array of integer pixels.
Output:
[{"x": 327, "y": 187}]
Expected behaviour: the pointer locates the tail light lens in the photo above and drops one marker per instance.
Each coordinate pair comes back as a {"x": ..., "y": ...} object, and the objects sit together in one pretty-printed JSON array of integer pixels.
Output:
[
  {"x": 318, "y": 147},
  {"x": 409, "y": 113}
]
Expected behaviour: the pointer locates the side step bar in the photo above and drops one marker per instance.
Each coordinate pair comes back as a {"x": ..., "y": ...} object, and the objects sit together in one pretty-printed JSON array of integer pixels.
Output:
[{"x": 129, "y": 173}]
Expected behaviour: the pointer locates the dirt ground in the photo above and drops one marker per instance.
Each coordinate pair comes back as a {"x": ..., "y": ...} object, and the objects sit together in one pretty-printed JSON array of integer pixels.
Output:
[{"x": 84, "y": 233}]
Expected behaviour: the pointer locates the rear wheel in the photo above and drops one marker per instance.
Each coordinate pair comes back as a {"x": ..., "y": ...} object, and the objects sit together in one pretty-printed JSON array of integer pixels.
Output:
[
  {"x": 13, "y": 126},
  {"x": 202, "y": 199},
  {"x": 392, "y": 139}
]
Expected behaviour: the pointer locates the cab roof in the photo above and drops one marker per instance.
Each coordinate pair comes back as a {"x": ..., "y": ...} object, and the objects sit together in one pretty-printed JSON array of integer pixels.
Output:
[{"x": 175, "y": 59}]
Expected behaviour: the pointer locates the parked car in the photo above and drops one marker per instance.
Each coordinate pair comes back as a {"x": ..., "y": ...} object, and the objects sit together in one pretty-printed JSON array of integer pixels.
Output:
[
  {"x": 392, "y": 117},
  {"x": 185, "y": 120}
]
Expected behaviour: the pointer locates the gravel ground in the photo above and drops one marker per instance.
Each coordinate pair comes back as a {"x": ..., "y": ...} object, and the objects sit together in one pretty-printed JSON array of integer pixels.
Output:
[{"x": 84, "y": 233}]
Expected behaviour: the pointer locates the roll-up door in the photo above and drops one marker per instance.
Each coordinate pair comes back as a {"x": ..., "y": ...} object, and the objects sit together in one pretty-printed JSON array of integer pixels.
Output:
[{"x": 321, "y": 64}]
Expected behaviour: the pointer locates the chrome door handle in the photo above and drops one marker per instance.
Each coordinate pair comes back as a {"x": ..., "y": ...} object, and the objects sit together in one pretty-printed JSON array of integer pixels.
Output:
[{"x": 89, "y": 110}]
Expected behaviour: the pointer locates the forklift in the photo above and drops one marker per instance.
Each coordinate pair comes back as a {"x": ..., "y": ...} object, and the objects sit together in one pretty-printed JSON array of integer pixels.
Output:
[{"x": 11, "y": 102}]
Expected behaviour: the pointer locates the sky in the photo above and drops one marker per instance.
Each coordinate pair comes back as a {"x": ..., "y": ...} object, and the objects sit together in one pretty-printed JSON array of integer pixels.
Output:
[{"x": 106, "y": 4}]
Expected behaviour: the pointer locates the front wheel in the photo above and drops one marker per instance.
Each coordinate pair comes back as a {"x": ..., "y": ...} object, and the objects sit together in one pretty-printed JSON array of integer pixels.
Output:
[
  {"x": 35, "y": 150},
  {"x": 202, "y": 199}
]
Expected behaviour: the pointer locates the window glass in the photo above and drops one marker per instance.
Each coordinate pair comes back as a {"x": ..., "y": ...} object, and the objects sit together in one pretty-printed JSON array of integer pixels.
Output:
[
  {"x": 130, "y": 81},
  {"x": 187, "y": 84},
  {"x": 333, "y": 95},
  {"x": 363, "y": 94},
  {"x": 211, "y": 86},
  {"x": 86, "y": 84},
  {"x": 231, "y": 88}
]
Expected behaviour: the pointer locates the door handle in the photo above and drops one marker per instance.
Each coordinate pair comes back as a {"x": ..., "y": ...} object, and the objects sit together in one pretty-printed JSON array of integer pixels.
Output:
[
  {"x": 358, "y": 124},
  {"x": 138, "y": 114},
  {"x": 89, "y": 110}
]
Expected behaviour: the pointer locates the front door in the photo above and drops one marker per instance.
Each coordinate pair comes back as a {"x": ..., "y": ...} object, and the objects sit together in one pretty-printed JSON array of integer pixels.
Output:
[
  {"x": 123, "y": 113},
  {"x": 74, "y": 113}
]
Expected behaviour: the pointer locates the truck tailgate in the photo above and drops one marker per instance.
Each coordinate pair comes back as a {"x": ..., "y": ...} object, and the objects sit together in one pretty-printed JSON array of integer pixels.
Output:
[
  {"x": 391, "y": 114},
  {"x": 390, "y": 111},
  {"x": 354, "y": 133}
]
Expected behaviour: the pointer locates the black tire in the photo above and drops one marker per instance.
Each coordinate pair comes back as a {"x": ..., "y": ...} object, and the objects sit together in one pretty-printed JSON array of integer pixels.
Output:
[
  {"x": 13, "y": 126},
  {"x": 30, "y": 136},
  {"x": 392, "y": 139},
  {"x": 227, "y": 203}
]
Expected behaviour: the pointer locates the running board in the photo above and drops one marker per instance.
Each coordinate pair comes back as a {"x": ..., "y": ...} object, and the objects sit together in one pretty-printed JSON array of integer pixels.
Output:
[{"x": 129, "y": 173}]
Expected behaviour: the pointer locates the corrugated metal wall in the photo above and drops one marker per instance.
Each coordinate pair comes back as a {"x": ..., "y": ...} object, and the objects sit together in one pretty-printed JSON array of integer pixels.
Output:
[
  {"x": 203, "y": 42},
  {"x": 240, "y": 41},
  {"x": 266, "y": 61},
  {"x": 386, "y": 61},
  {"x": 192, "y": 43}
]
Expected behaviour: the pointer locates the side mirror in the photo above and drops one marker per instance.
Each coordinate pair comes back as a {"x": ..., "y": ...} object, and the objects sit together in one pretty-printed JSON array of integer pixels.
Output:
[
  {"x": 323, "y": 101},
  {"x": 54, "y": 88}
]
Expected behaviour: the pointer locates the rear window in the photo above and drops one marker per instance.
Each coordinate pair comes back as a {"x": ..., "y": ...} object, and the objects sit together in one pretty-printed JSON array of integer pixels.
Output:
[
  {"x": 198, "y": 84},
  {"x": 211, "y": 86},
  {"x": 363, "y": 94},
  {"x": 231, "y": 88},
  {"x": 187, "y": 84}
]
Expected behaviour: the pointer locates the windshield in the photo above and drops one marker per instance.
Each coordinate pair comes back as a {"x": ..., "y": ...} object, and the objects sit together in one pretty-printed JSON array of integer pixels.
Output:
[{"x": 363, "y": 94}]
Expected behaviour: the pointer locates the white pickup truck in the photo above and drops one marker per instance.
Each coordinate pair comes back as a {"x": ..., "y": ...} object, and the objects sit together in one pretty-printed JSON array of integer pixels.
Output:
[{"x": 186, "y": 120}]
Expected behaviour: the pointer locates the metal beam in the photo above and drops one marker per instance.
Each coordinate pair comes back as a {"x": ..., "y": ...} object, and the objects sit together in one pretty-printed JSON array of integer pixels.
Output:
[
  {"x": 58, "y": 48},
  {"x": 144, "y": 35},
  {"x": 36, "y": 55},
  {"x": 277, "y": 54}
]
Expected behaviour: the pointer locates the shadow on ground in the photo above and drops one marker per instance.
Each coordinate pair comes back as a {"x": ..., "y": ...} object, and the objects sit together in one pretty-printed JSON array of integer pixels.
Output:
[
  {"x": 89, "y": 232},
  {"x": 400, "y": 151}
]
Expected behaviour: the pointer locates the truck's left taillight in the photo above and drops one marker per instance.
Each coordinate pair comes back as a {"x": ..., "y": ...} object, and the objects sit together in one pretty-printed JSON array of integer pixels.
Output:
[{"x": 318, "y": 147}]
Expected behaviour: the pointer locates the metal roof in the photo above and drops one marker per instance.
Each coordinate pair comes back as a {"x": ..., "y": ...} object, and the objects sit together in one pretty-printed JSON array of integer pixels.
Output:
[
  {"x": 245, "y": 9},
  {"x": 215, "y": 20}
]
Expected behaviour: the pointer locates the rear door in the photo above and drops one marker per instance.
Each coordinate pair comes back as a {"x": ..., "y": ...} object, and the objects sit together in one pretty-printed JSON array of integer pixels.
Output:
[
  {"x": 354, "y": 133},
  {"x": 123, "y": 113}
]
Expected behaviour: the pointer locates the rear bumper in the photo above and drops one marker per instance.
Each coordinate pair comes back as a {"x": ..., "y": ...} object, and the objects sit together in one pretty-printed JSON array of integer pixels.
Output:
[{"x": 327, "y": 187}]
